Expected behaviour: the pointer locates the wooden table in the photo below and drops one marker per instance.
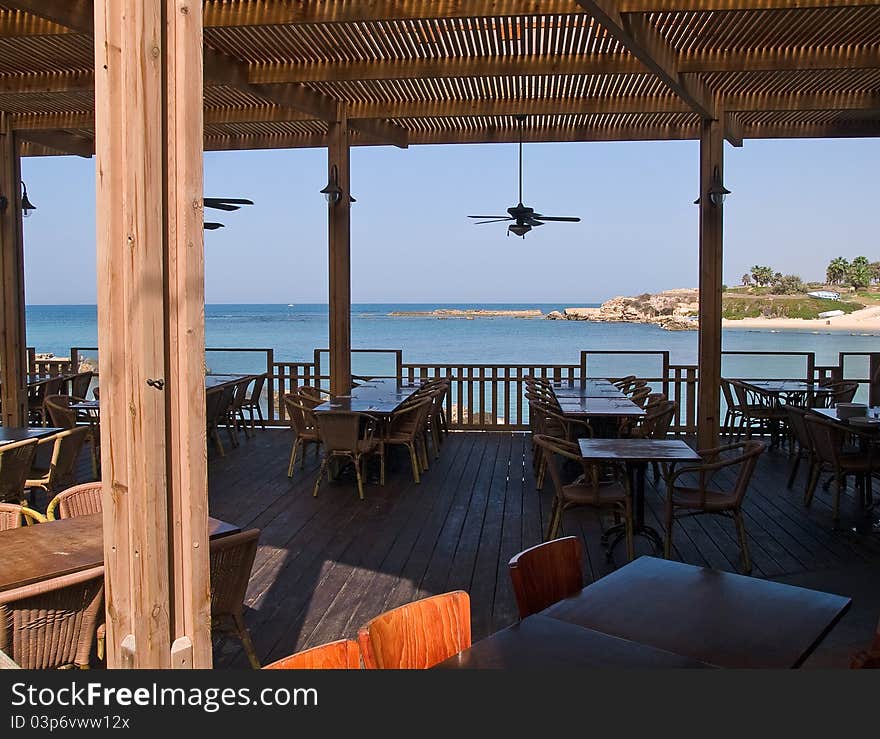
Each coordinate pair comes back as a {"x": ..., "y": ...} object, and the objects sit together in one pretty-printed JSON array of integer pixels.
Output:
[
  {"x": 540, "y": 642},
  {"x": 587, "y": 389},
  {"x": 376, "y": 397},
  {"x": 711, "y": 616},
  {"x": 33, "y": 553},
  {"x": 215, "y": 381},
  {"x": 601, "y": 407},
  {"x": 9, "y": 434},
  {"x": 636, "y": 453}
]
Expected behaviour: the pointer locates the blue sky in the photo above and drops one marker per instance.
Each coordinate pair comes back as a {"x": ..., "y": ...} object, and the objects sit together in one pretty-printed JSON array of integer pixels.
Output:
[{"x": 795, "y": 204}]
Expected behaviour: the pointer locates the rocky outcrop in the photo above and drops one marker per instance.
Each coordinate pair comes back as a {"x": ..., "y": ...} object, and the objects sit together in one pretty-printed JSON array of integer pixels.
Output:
[{"x": 674, "y": 310}]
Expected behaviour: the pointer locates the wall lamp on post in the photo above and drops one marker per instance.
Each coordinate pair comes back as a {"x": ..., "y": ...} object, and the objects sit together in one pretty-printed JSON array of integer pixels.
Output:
[
  {"x": 717, "y": 191},
  {"x": 332, "y": 192},
  {"x": 27, "y": 207}
]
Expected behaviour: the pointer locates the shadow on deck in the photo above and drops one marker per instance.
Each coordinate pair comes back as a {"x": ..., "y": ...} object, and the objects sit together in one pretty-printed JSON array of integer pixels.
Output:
[{"x": 326, "y": 565}]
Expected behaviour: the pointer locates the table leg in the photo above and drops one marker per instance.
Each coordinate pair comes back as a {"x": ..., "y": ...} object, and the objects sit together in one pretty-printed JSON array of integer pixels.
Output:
[{"x": 636, "y": 472}]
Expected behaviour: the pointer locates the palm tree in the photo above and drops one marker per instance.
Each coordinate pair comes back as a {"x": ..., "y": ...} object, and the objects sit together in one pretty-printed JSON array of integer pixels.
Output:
[
  {"x": 837, "y": 271},
  {"x": 860, "y": 273},
  {"x": 747, "y": 278},
  {"x": 762, "y": 275}
]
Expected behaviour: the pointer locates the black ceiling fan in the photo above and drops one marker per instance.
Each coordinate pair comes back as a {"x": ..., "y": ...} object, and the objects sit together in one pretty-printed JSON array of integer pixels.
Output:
[
  {"x": 227, "y": 204},
  {"x": 524, "y": 218}
]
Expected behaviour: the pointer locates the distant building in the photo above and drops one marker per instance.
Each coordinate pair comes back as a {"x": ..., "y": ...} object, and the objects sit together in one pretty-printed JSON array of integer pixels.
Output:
[{"x": 825, "y": 295}]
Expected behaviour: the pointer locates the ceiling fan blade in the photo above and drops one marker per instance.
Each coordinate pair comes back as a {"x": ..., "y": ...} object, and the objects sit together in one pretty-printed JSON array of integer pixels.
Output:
[
  {"x": 494, "y": 220},
  {"x": 229, "y": 201},
  {"x": 209, "y": 226},
  {"x": 561, "y": 219},
  {"x": 221, "y": 206},
  {"x": 505, "y": 216}
]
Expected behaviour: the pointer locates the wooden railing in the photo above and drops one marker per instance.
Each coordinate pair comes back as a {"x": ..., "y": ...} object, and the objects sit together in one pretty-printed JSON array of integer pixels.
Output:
[{"x": 490, "y": 396}]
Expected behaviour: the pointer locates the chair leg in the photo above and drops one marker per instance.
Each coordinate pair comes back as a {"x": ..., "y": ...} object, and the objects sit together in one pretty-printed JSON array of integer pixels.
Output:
[
  {"x": 743, "y": 541},
  {"x": 414, "y": 461},
  {"x": 381, "y": 464},
  {"x": 246, "y": 642},
  {"x": 423, "y": 446},
  {"x": 215, "y": 435},
  {"x": 542, "y": 467},
  {"x": 838, "y": 489},
  {"x": 812, "y": 482},
  {"x": 555, "y": 519},
  {"x": 667, "y": 541},
  {"x": 260, "y": 414},
  {"x": 324, "y": 463},
  {"x": 794, "y": 469},
  {"x": 360, "y": 480},
  {"x": 293, "y": 451}
]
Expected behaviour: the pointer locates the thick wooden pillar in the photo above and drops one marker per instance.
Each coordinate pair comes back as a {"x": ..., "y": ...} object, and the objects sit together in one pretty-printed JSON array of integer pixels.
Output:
[
  {"x": 711, "y": 260},
  {"x": 148, "y": 95},
  {"x": 340, "y": 257},
  {"x": 13, "y": 345}
]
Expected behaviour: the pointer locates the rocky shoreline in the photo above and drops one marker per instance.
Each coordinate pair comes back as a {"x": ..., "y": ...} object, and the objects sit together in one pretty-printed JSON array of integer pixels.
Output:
[{"x": 673, "y": 310}]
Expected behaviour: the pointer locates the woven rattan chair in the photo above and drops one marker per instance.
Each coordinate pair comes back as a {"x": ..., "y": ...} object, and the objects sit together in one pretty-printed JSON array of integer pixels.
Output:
[
  {"x": 251, "y": 404},
  {"x": 12, "y": 516},
  {"x": 344, "y": 654},
  {"x": 232, "y": 558},
  {"x": 545, "y": 574},
  {"x": 438, "y": 428},
  {"x": 63, "y": 416},
  {"x": 695, "y": 499},
  {"x": 831, "y": 453},
  {"x": 733, "y": 416},
  {"x": 216, "y": 404},
  {"x": 625, "y": 383},
  {"x": 349, "y": 436},
  {"x": 16, "y": 460},
  {"x": 304, "y": 427},
  {"x": 802, "y": 448},
  {"x": 547, "y": 422},
  {"x": 588, "y": 489},
  {"x": 236, "y": 419},
  {"x": 418, "y": 635},
  {"x": 38, "y": 394},
  {"x": 316, "y": 394},
  {"x": 61, "y": 470},
  {"x": 407, "y": 427},
  {"x": 52, "y": 623},
  {"x": 843, "y": 392},
  {"x": 79, "y": 384},
  {"x": 80, "y": 500}
]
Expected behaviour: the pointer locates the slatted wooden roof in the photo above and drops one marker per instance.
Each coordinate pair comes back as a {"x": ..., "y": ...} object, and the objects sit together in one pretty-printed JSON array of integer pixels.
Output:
[{"x": 451, "y": 71}]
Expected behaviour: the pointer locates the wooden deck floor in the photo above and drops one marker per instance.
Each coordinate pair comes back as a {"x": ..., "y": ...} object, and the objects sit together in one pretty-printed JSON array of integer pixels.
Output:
[{"x": 328, "y": 564}]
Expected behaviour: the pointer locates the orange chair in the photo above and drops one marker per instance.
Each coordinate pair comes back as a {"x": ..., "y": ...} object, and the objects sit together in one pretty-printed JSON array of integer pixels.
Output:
[
  {"x": 344, "y": 654},
  {"x": 418, "y": 635},
  {"x": 545, "y": 574}
]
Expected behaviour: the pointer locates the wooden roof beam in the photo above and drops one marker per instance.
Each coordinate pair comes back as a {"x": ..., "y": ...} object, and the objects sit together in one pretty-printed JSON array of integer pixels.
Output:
[
  {"x": 60, "y": 141},
  {"x": 644, "y": 42},
  {"x": 77, "y": 15}
]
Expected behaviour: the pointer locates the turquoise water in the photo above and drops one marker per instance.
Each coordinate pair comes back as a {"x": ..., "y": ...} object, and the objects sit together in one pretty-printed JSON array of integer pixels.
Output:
[{"x": 293, "y": 332}]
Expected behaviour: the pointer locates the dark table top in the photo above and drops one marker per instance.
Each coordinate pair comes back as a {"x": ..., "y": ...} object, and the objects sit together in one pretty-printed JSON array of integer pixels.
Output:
[
  {"x": 587, "y": 389},
  {"x": 33, "y": 553},
  {"x": 86, "y": 405},
  {"x": 638, "y": 450},
  {"x": 776, "y": 387},
  {"x": 711, "y": 616},
  {"x": 613, "y": 407},
  {"x": 377, "y": 397},
  {"x": 856, "y": 424},
  {"x": 541, "y": 642},
  {"x": 8, "y": 434}
]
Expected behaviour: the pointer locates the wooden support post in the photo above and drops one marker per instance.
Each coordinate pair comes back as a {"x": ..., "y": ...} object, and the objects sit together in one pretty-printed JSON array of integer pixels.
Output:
[
  {"x": 711, "y": 260},
  {"x": 13, "y": 346},
  {"x": 874, "y": 375},
  {"x": 148, "y": 85},
  {"x": 340, "y": 257}
]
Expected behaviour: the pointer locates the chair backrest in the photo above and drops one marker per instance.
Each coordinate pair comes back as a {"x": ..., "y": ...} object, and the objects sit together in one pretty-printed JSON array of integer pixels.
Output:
[
  {"x": 79, "y": 385},
  {"x": 798, "y": 425},
  {"x": 80, "y": 500},
  {"x": 552, "y": 448},
  {"x": 60, "y": 413},
  {"x": 826, "y": 439},
  {"x": 658, "y": 420},
  {"x": 65, "y": 454},
  {"x": 545, "y": 574},
  {"x": 257, "y": 389},
  {"x": 96, "y": 393},
  {"x": 844, "y": 392},
  {"x": 52, "y": 623},
  {"x": 409, "y": 420},
  {"x": 12, "y": 516},
  {"x": 344, "y": 654},
  {"x": 295, "y": 412},
  {"x": 418, "y": 635},
  {"x": 727, "y": 392},
  {"x": 240, "y": 393},
  {"x": 747, "y": 461},
  {"x": 312, "y": 392},
  {"x": 16, "y": 460},
  {"x": 232, "y": 558},
  {"x": 639, "y": 395},
  {"x": 741, "y": 392},
  {"x": 743, "y": 455},
  {"x": 213, "y": 406},
  {"x": 340, "y": 431}
]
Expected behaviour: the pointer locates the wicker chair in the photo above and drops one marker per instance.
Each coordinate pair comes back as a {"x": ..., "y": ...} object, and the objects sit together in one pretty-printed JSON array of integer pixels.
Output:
[
  {"x": 236, "y": 419},
  {"x": 79, "y": 384},
  {"x": 38, "y": 393},
  {"x": 406, "y": 427},
  {"x": 418, "y": 635},
  {"x": 587, "y": 490},
  {"x": 347, "y": 435},
  {"x": 547, "y": 422},
  {"x": 251, "y": 403},
  {"x": 61, "y": 471},
  {"x": 640, "y": 395},
  {"x": 438, "y": 428},
  {"x": 217, "y": 402},
  {"x": 12, "y": 516},
  {"x": 63, "y": 416},
  {"x": 701, "y": 499},
  {"x": 733, "y": 416},
  {"x": 315, "y": 394},
  {"x": 797, "y": 427},
  {"x": 232, "y": 558},
  {"x": 16, "y": 460},
  {"x": 52, "y": 623},
  {"x": 829, "y": 445},
  {"x": 80, "y": 500},
  {"x": 344, "y": 654},
  {"x": 546, "y": 573},
  {"x": 304, "y": 427}
]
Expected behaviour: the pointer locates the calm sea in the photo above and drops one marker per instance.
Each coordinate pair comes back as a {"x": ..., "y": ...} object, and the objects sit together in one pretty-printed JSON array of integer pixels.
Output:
[{"x": 294, "y": 331}]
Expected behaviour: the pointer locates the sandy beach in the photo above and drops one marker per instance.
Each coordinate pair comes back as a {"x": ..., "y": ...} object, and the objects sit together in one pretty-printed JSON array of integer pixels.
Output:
[{"x": 865, "y": 321}]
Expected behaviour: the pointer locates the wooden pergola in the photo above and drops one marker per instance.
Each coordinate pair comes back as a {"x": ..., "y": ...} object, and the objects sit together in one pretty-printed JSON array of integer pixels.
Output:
[{"x": 147, "y": 85}]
